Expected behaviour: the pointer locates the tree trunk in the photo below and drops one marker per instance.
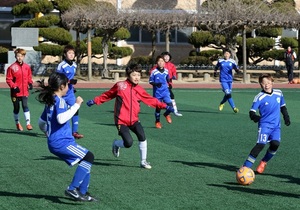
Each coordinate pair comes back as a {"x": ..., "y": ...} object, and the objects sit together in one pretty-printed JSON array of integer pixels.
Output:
[
  {"x": 153, "y": 47},
  {"x": 104, "y": 73},
  {"x": 77, "y": 50}
]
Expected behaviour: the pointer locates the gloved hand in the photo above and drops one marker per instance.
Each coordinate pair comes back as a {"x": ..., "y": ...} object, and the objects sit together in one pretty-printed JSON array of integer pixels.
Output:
[
  {"x": 90, "y": 103},
  {"x": 170, "y": 86},
  {"x": 256, "y": 118},
  {"x": 73, "y": 81},
  {"x": 30, "y": 86},
  {"x": 170, "y": 108},
  {"x": 16, "y": 90},
  {"x": 287, "y": 121},
  {"x": 215, "y": 74}
]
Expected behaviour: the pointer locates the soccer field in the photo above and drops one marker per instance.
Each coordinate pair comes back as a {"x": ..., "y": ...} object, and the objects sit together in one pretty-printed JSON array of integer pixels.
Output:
[{"x": 193, "y": 160}]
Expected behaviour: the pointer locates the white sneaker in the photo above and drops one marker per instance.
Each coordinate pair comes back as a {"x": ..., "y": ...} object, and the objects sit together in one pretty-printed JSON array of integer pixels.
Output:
[
  {"x": 115, "y": 149},
  {"x": 178, "y": 114},
  {"x": 146, "y": 165}
]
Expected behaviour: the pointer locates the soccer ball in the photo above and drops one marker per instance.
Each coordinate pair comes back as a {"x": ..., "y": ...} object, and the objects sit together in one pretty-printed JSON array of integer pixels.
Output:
[{"x": 245, "y": 176}]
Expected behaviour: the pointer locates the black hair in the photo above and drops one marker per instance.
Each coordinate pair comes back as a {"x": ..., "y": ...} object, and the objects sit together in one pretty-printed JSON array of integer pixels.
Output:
[
  {"x": 262, "y": 76},
  {"x": 54, "y": 83},
  {"x": 133, "y": 68},
  {"x": 68, "y": 48},
  {"x": 167, "y": 53},
  {"x": 226, "y": 50},
  {"x": 159, "y": 57}
]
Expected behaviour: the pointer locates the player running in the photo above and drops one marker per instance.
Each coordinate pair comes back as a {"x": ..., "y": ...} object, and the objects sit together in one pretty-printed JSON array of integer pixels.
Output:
[
  {"x": 159, "y": 79},
  {"x": 128, "y": 96},
  {"x": 54, "y": 122},
  {"x": 270, "y": 103},
  {"x": 226, "y": 66}
]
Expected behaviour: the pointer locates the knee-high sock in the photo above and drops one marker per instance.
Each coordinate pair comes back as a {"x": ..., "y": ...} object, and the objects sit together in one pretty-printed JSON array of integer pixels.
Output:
[
  {"x": 16, "y": 117},
  {"x": 157, "y": 116},
  {"x": 174, "y": 105},
  {"x": 84, "y": 186},
  {"x": 119, "y": 143},
  {"x": 27, "y": 117},
  {"x": 224, "y": 100},
  {"x": 231, "y": 102},
  {"x": 249, "y": 161},
  {"x": 82, "y": 170},
  {"x": 268, "y": 156},
  {"x": 75, "y": 120},
  {"x": 143, "y": 150}
]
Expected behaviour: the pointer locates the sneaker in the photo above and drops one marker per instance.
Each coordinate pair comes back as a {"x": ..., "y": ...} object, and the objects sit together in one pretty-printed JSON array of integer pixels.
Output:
[
  {"x": 88, "y": 197},
  {"x": 146, "y": 165},
  {"x": 115, "y": 149},
  {"x": 19, "y": 127},
  {"x": 75, "y": 194},
  {"x": 158, "y": 125},
  {"x": 177, "y": 114},
  {"x": 221, "y": 106},
  {"x": 77, "y": 135},
  {"x": 261, "y": 167},
  {"x": 168, "y": 119},
  {"x": 29, "y": 127},
  {"x": 236, "y": 110}
]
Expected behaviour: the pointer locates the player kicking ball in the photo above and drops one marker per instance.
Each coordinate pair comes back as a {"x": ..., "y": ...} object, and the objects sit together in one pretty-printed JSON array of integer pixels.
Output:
[{"x": 270, "y": 103}]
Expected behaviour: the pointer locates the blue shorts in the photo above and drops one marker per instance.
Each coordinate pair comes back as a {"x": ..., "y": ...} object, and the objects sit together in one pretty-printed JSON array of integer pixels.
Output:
[
  {"x": 166, "y": 99},
  {"x": 266, "y": 134},
  {"x": 71, "y": 153},
  {"x": 226, "y": 87}
]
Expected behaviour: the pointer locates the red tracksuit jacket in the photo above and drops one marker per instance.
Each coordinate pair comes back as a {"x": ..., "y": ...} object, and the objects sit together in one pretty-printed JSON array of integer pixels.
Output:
[
  {"x": 127, "y": 105},
  {"x": 19, "y": 76}
]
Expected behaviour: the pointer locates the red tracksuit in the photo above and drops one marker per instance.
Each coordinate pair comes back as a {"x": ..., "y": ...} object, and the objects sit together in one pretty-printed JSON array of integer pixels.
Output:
[
  {"x": 127, "y": 105},
  {"x": 19, "y": 76}
]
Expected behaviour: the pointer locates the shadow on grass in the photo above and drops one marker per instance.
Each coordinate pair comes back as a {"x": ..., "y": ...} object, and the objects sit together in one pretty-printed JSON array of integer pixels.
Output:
[
  {"x": 203, "y": 165},
  {"x": 247, "y": 189},
  {"x": 24, "y": 133},
  {"x": 54, "y": 199},
  {"x": 289, "y": 179},
  {"x": 48, "y": 158}
]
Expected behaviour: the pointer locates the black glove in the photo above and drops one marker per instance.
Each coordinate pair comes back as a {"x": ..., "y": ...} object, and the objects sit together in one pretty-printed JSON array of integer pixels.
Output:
[
  {"x": 30, "y": 87},
  {"x": 287, "y": 121},
  {"x": 16, "y": 90},
  {"x": 215, "y": 74},
  {"x": 170, "y": 86},
  {"x": 73, "y": 81},
  {"x": 254, "y": 117},
  {"x": 286, "y": 116},
  {"x": 90, "y": 103}
]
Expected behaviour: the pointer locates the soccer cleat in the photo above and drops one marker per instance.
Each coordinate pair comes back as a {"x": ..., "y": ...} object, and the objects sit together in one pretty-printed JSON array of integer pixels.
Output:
[
  {"x": 77, "y": 135},
  {"x": 168, "y": 119},
  {"x": 158, "y": 125},
  {"x": 146, "y": 165},
  {"x": 29, "y": 127},
  {"x": 178, "y": 114},
  {"x": 236, "y": 110},
  {"x": 88, "y": 197},
  {"x": 115, "y": 149},
  {"x": 221, "y": 106},
  {"x": 261, "y": 167},
  {"x": 75, "y": 194},
  {"x": 19, "y": 127}
]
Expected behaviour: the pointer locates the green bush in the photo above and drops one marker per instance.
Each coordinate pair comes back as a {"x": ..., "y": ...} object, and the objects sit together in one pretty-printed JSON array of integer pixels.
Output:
[
  {"x": 142, "y": 60},
  {"x": 42, "y": 22},
  {"x": 275, "y": 54},
  {"x": 3, "y": 55},
  {"x": 120, "y": 52},
  {"x": 287, "y": 41},
  {"x": 50, "y": 49},
  {"x": 196, "y": 61},
  {"x": 56, "y": 35},
  {"x": 122, "y": 34}
]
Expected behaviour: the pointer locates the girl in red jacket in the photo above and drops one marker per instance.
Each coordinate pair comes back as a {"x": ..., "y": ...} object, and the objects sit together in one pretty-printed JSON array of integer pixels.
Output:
[
  {"x": 19, "y": 79},
  {"x": 128, "y": 96}
]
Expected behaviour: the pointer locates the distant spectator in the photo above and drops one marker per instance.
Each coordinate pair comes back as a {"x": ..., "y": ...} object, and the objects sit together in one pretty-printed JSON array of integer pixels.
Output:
[{"x": 289, "y": 59}]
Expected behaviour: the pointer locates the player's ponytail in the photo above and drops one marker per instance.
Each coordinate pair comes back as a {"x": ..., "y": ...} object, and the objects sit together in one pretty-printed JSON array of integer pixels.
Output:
[{"x": 55, "y": 81}]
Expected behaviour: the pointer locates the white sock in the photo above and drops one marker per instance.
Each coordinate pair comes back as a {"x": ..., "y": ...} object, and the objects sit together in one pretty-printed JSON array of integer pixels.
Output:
[
  {"x": 143, "y": 150},
  {"x": 119, "y": 143},
  {"x": 27, "y": 117},
  {"x": 16, "y": 117},
  {"x": 174, "y": 105}
]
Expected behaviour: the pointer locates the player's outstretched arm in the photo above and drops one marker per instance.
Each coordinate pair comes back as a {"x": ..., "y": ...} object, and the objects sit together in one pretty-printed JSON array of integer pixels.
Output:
[
  {"x": 286, "y": 116},
  {"x": 254, "y": 117}
]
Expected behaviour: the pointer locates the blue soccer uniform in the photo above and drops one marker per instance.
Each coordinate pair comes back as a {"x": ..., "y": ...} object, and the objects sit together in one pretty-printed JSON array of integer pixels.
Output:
[
  {"x": 226, "y": 77},
  {"x": 270, "y": 105}
]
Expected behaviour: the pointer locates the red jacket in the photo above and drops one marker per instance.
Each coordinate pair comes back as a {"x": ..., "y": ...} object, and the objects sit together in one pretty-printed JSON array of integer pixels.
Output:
[
  {"x": 127, "y": 105},
  {"x": 19, "y": 76},
  {"x": 171, "y": 70}
]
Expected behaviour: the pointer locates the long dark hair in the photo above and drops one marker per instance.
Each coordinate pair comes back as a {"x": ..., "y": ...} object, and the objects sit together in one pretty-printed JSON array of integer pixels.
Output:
[{"x": 54, "y": 82}]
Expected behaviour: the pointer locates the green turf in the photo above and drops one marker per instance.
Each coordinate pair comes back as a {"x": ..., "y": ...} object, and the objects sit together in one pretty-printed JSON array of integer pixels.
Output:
[{"x": 194, "y": 159}]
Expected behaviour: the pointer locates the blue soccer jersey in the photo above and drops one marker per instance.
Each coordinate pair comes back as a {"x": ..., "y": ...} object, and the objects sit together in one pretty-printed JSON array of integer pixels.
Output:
[
  {"x": 162, "y": 78},
  {"x": 269, "y": 108},
  {"x": 226, "y": 67},
  {"x": 69, "y": 71}
]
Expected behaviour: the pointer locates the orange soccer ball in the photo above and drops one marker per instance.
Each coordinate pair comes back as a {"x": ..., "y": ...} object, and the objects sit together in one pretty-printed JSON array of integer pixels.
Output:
[
  {"x": 245, "y": 176},
  {"x": 295, "y": 81}
]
